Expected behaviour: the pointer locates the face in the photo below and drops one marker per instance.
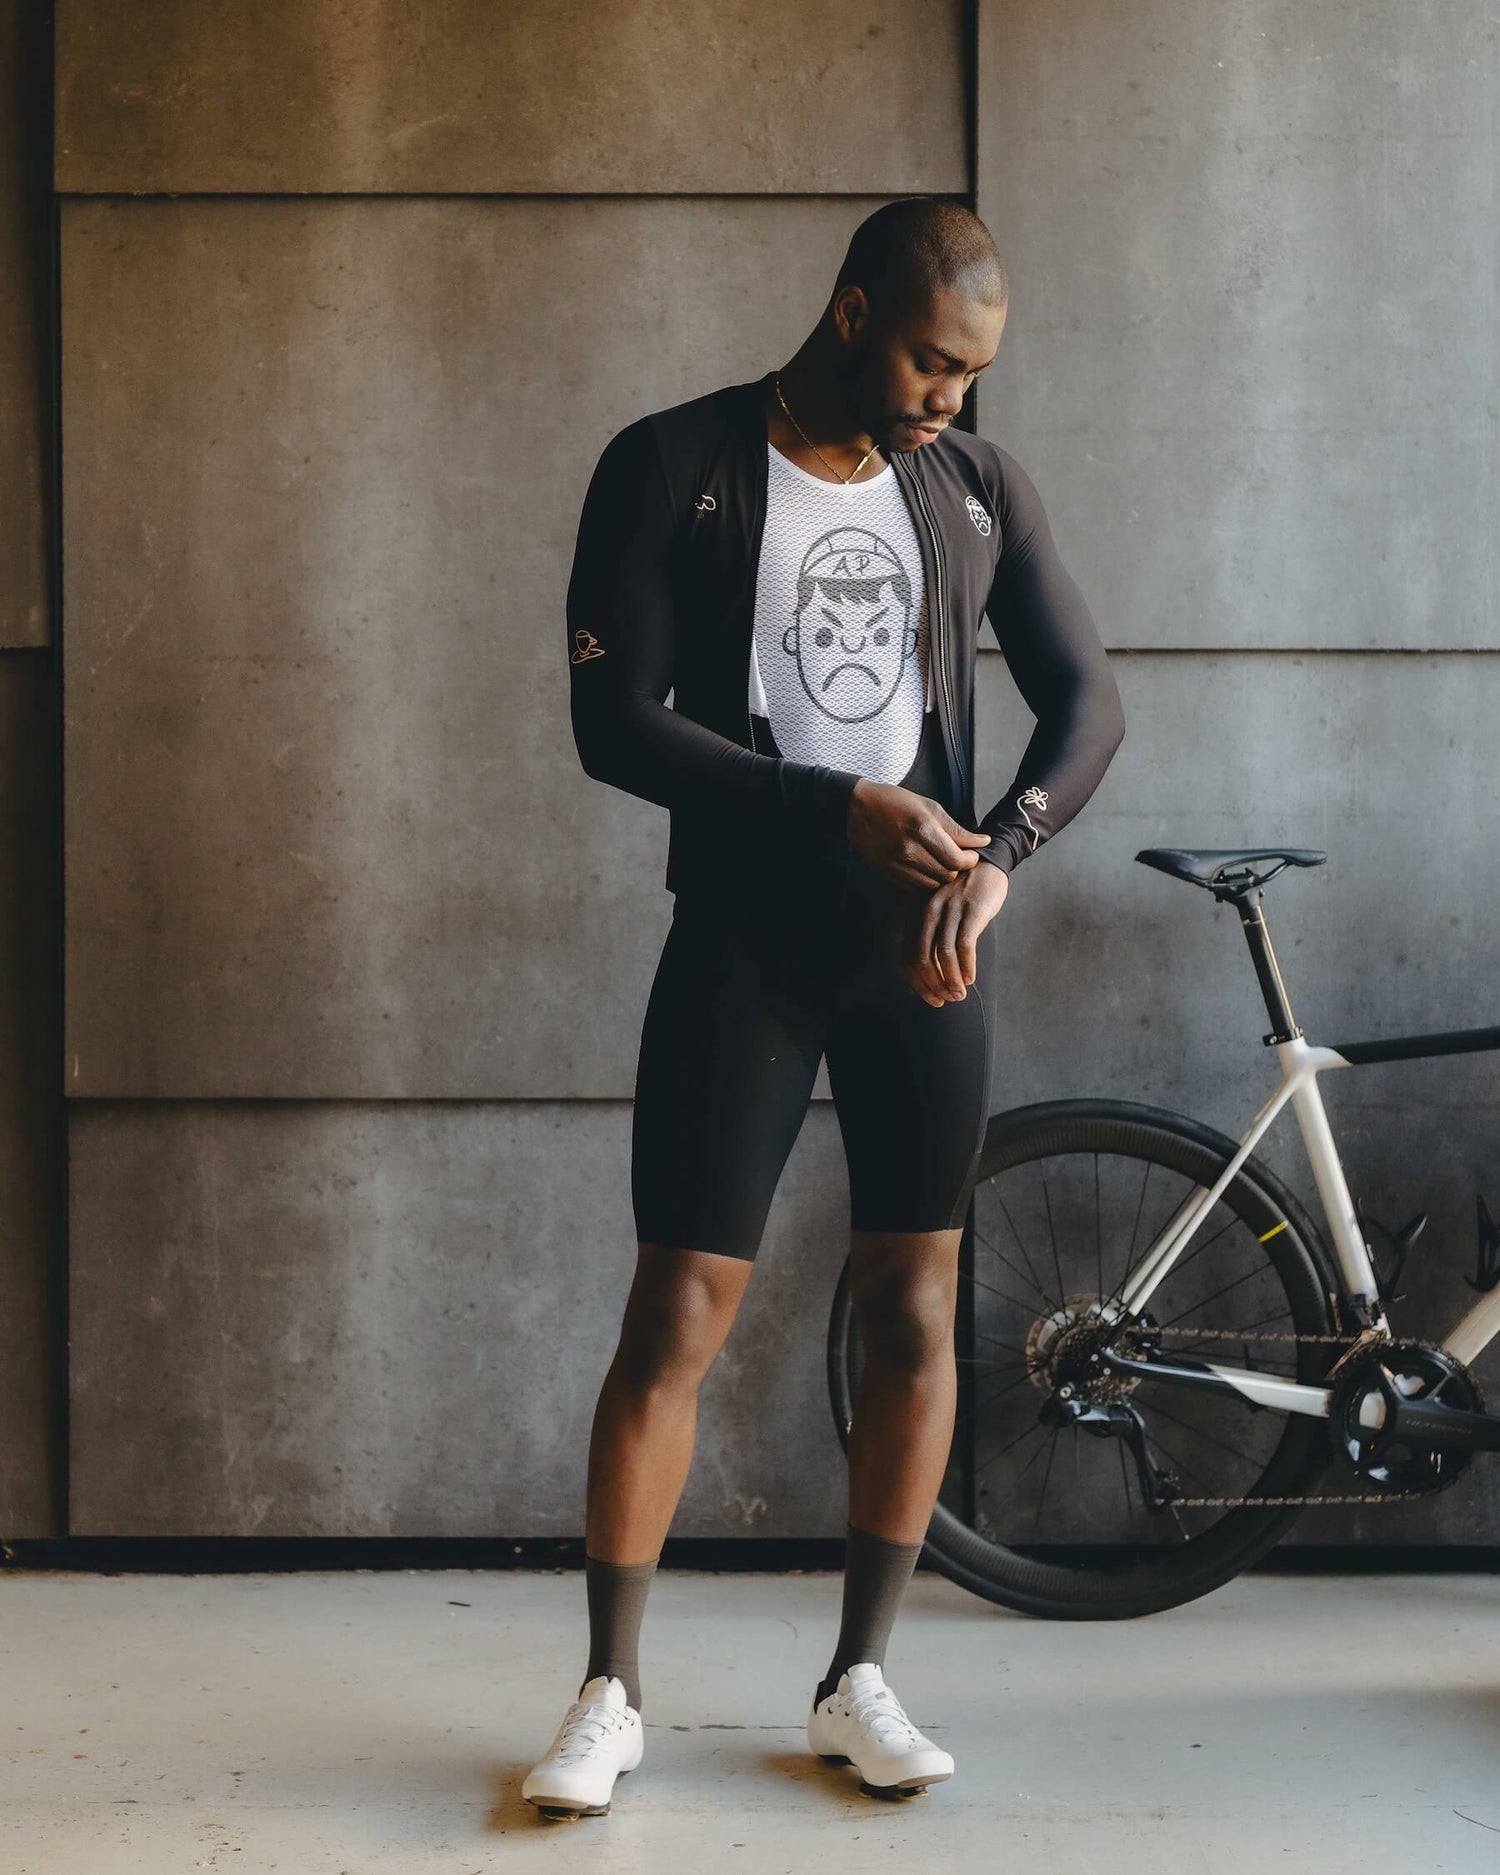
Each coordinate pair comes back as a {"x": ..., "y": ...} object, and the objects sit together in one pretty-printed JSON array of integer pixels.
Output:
[
  {"x": 853, "y": 630},
  {"x": 907, "y": 376}
]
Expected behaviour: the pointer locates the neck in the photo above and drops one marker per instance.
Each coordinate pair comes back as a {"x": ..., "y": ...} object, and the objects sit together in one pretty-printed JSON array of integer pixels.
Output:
[{"x": 812, "y": 384}]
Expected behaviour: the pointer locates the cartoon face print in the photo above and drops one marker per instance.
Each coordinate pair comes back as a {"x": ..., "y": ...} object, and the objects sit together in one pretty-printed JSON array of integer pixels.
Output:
[{"x": 853, "y": 631}]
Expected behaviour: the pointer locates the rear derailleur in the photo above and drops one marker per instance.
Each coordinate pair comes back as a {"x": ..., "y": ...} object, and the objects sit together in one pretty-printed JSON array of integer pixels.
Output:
[{"x": 1114, "y": 1419}]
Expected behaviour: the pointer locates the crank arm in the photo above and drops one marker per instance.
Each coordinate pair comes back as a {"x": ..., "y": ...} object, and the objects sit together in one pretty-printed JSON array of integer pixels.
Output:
[{"x": 1430, "y": 1423}]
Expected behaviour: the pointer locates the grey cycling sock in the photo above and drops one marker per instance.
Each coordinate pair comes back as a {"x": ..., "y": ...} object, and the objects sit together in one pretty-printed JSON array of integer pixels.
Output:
[
  {"x": 617, "y": 1600},
  {"x": 876, "y": 1573}
]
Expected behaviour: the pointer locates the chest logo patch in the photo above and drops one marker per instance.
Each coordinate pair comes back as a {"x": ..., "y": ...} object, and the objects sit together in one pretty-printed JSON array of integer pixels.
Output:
[
  {"x": 587, "y": 646},
  {"x": 853, "y": 630},
  {"x": 978, "y": 514}
]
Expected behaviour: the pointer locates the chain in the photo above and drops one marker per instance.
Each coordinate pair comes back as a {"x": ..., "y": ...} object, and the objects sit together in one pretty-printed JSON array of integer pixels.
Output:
[
  {"x": 846, "y": 479},
  {"x": 1243, "y": 1334}
]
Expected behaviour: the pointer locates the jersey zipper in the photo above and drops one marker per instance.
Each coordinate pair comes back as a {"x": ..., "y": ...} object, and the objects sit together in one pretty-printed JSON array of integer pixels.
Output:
[
  {"x": 757, "y": 533},
  {"x": 939, "y": 633}
]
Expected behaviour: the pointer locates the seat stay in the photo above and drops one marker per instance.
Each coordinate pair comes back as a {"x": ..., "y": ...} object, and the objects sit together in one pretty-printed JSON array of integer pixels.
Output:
[{"x": 1176, "y": 1233}]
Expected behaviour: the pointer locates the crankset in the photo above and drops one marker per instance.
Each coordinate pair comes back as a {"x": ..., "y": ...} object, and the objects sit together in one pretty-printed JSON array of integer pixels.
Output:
[{"x": 1391, "y": 1426}]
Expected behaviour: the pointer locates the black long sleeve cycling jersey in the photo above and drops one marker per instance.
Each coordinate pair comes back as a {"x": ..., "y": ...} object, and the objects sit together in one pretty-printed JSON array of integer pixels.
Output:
[{"x": 662, "y": 597}]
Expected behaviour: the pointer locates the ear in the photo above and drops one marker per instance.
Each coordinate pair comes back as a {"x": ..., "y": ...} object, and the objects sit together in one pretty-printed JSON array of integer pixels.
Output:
[
  {"x": 789, "y": 640},
  {"x": 849, "y": 310}
]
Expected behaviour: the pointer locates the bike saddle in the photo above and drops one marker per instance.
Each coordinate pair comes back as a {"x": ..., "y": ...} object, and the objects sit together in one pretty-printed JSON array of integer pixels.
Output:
[{"x": 1228, "y": 869}]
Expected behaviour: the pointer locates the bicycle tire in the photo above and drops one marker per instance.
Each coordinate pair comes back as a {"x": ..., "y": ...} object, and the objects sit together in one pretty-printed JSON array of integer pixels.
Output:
[{"x": 1034, "y": 1583}]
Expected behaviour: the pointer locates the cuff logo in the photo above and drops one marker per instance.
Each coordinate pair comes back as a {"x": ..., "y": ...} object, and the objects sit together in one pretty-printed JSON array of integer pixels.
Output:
[
  {"x": 588, "y": 647},
  {"x": 1033, "y": 797},
  {"x": 978, "y": 514}
]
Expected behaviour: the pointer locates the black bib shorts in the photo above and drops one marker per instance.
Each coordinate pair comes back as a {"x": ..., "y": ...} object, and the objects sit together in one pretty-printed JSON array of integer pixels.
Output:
[{"x": 750, "y": 995}]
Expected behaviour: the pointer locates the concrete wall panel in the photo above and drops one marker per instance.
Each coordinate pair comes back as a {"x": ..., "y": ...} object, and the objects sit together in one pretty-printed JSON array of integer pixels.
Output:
[
  {"x": 392, "y": 1320},
  {"x": 327, "y": 831},
  {"x": 1250, "y": 359},
  {"x": 618, "y": 96}
]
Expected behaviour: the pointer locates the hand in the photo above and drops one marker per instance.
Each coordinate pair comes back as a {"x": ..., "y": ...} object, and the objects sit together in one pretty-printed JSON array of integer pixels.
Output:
[
  {"x": 944, "y": 962},
  {"x": 906, "y": 837}
]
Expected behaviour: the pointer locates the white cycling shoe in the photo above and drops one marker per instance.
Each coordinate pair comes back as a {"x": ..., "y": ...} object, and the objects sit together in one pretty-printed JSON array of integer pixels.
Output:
[
  {"x": 600, "y": 1737},
  {"x": 861, "y": 1722}
]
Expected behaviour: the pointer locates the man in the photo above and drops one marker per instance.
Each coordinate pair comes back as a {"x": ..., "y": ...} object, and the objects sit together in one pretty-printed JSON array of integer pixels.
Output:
[{"x": 804, "y": 561}]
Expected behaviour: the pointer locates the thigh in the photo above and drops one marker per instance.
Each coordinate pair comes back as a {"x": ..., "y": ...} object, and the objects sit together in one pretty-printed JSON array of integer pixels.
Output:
[
  {"x": 730, "y": 1046},
  {"x": 912, "y": 1087}
]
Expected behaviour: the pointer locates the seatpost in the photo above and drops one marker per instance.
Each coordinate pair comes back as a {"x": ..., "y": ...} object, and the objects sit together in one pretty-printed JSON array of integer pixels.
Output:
[{"x": 1258, "y": 937}]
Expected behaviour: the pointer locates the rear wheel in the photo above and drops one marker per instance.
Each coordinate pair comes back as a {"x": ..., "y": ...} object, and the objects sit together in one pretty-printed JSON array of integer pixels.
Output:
[{"x": 1053, "y": 1518}]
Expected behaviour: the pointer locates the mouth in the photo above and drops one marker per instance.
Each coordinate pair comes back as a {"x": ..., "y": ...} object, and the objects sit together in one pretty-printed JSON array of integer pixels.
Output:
[
  {"x": 863, "y": 669},
  {"x": 925, "y": 430}
]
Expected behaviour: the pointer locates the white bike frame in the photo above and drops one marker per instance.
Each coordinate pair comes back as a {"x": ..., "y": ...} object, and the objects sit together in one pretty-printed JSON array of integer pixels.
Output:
[{"x": 1301, "y": 1064}]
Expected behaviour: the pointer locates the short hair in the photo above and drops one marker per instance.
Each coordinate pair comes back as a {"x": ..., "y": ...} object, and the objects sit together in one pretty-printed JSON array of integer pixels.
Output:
[
  {"x": 861, "y": 591},
  {"x": 907, "y": 251}
]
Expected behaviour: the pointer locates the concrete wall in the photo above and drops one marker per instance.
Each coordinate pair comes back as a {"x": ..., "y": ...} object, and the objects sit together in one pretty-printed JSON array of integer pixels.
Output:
[{"x": 356, "y": 956}]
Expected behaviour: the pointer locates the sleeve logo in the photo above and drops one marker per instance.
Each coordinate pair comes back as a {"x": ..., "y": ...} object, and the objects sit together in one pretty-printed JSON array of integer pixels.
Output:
[
  {"x": 978, "y": 513},
  {"x": 1033, "y": 797},
  {"x": 588, "y": 646}
]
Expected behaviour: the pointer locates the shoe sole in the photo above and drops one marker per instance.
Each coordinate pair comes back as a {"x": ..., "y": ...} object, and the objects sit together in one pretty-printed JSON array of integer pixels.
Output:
[
  {"x": 566, "y": 1813},
  {"x": 903, "y": 1786},
  {"x": 559, "y": 1811}
]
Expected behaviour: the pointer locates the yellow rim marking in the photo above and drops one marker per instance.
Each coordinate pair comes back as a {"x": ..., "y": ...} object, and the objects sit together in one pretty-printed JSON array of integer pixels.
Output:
[{"x": 1272, "y": 1231}]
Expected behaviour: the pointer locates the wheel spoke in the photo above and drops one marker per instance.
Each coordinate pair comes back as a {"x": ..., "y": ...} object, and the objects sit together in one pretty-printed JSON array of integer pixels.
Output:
[
  {"x": 980, "y": 1406},
  {"x": 1062, "y": 1287},
  {"x": 1026, "y": 1308},
  {"x": 1199, "y": 1432},
  {"x": 1025, "y": 1275},
  {"x": 1036, "y": 1426},
  {"x": 1036, "y": 1515},
  {"x": 1248, "y": 1275},
  {"x": 1056, "y": 1301},
  {"x": 1098, "y": 1230}
]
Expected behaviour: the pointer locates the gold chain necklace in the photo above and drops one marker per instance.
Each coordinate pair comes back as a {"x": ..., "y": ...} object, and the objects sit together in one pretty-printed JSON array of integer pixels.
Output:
[{"x": 814, "y": 447}]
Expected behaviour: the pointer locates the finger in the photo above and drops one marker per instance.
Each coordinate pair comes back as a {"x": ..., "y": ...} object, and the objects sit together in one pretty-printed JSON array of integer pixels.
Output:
[
  {"x": 930, "y": 979},
  {"x": 921, "y": 870},
  {"x": 968, "y": 937},
  {"x": 936, "y": 833},
  {"x": 920, "y": 981},
  {"x": 944, "y": 958}
]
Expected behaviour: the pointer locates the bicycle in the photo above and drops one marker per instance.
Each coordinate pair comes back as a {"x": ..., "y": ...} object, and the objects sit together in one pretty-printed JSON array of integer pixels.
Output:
[{"x": 1068, "y": 1335}]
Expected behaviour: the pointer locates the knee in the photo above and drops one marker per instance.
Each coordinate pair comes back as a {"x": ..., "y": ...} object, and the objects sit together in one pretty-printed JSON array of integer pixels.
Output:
[
  {"x": 670, "y": 1335},
  {"x": 906, "y": 1319}
]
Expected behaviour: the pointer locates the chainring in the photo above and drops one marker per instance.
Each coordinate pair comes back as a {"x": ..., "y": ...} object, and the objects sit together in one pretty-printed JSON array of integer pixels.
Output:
[{"x": 1404, "y": 1468}]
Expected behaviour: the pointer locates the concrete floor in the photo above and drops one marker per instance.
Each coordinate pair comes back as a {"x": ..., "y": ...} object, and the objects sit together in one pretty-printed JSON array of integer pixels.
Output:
[{"x": 363, "y": 1723}]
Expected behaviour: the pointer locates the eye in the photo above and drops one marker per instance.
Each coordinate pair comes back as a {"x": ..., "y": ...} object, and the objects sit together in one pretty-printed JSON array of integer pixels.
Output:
[
  {"x": 822, "y": 637},
  {"x": 882, "y": 634}
]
